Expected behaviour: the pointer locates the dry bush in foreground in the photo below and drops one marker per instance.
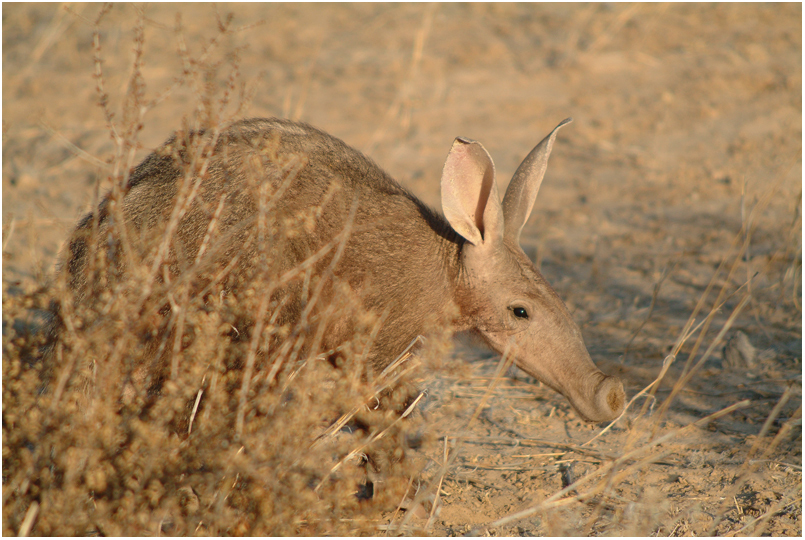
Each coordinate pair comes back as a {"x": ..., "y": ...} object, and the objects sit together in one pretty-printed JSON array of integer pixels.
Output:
[
  {"x": 97, "y": 453},
  {"x": 173, "y": 396},
  {"x": 172, "y": 399}
]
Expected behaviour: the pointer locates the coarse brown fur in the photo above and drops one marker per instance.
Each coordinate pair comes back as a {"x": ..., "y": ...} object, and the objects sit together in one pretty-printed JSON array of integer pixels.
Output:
[{"x": 327, "y": 178}]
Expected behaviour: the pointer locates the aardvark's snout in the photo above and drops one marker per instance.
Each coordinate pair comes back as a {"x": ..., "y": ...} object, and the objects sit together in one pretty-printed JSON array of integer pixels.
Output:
[
  {"x": 609, "y": 398},
  {"x": 602, "y": 400}
]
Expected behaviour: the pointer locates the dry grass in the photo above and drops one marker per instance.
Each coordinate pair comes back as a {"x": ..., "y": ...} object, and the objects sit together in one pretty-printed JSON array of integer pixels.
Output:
[
  {"x": 172, "y": 404},
  {"x": 98, "y": 457}
]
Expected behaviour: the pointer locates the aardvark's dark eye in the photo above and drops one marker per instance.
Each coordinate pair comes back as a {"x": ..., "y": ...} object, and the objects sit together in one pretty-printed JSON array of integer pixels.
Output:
[{"x": 520, "y": 313}]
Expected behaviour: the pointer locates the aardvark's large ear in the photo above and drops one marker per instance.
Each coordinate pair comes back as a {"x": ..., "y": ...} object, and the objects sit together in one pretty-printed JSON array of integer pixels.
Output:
[
  {"x": 470, "y": 198},
  {"x": 523, "y": 189}
]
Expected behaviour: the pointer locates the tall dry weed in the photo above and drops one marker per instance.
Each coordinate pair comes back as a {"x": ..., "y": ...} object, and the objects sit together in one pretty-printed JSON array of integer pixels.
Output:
[{"x": 168, "y": 393}]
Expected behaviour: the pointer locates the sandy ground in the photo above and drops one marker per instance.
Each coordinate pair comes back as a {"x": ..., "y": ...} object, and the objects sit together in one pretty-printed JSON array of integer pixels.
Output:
[{"x": 687, "y": 128}]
